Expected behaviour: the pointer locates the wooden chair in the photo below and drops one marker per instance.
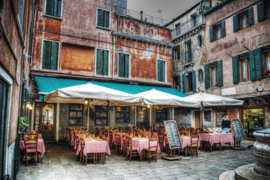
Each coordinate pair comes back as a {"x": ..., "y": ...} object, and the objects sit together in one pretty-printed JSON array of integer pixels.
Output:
[
  {"x": 31, "y": 145},
  {"x": 33, "y": 133},
  {"x": 124, "y": 138},
  {"x": 131, "y": 152},
  {"x": 97, "y": 131},
  {"x": 151, "y": 151},
  {"x": 88, "y": 155},
  {"x": 117, "y": 143},
  {"x": 193, "y": 147}
]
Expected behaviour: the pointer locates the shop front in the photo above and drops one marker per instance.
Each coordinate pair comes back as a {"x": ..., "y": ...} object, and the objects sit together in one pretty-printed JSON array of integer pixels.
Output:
[{"x": 253, "y": 120}]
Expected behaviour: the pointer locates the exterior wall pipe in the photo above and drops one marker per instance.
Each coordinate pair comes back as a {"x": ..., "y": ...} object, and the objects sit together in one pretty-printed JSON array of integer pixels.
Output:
[{"x": 113, "y": 56}]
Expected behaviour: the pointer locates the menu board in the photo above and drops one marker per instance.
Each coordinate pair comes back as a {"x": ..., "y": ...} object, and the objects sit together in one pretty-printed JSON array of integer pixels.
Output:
[
  {"x": 238, "y": 129},
  {"x": 172, "y": 134}
]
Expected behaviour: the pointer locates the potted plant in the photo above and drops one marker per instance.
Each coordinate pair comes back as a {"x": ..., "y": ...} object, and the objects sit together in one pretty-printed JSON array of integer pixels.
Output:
[
  {"x": 216, "y": 83},
  {"x": 244, "y": 79},
  {"x": 23, "y": 123}
]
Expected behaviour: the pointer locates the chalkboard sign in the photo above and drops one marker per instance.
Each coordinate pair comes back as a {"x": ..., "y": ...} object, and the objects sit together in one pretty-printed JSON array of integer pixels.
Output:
[
  {"x": 172, "y": 134},
  {"x": 238, "y": 129}
]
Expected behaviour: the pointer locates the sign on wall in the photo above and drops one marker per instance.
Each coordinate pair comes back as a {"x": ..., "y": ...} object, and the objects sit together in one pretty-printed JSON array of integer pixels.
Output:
[{"x": 172, "y": 134}]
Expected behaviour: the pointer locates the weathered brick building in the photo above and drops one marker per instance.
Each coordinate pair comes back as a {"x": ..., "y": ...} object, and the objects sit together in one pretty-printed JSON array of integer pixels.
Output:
[
  {"x": 16, "y": 18},
  {"x": 96, "y": 41},
  {"x": 237, "y": 56}
]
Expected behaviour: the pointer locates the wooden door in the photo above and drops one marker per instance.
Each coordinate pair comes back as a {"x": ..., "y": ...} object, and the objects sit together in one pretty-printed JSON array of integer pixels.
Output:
[
  {"x": 45, "y": 120},
  {"x": 142, "y": 117},
  {"x": 197, "y": 119}
]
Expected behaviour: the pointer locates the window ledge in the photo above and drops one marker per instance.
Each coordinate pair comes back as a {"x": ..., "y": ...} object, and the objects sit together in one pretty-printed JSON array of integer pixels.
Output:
[
  {"x": 59, "y": 18},
  {"x": 103, "y": 28},
  {"x": 214, "y": 87},
  {"x": 48, "y": 70},
  {"x": 245, "y": 82}
]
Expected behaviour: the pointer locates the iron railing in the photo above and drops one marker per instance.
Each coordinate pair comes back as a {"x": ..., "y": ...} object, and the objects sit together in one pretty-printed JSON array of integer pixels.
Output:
[
  {"x": 188, "y": 25},
  {"x": 140, "y": 16}
]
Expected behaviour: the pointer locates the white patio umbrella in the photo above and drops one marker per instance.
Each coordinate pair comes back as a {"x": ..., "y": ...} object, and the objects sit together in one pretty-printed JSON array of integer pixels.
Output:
[{"x": 207, "y": 100}]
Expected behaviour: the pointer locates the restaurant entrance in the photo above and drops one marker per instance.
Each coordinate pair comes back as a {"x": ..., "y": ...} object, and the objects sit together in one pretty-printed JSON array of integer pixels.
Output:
[
  {"x": 44, "y": 121},
  {"x": 253, "y": 120},
  {"x": 142, "y": 117},
  {"x": 3, "y": 109},
  {"x": 197, "y": 119}
]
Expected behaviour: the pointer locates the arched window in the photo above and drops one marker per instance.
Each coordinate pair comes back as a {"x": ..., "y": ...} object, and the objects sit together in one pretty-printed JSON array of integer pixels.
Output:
[{"x": 200, "y": 41}]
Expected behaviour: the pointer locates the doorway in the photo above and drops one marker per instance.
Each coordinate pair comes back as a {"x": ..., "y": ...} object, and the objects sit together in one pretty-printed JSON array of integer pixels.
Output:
[
  {"x": 197, "y": 119},
  {"x": 44, "y": 121},
  {"x": 253, "y": 120},
  {"x": 3, "y": 110},
  {"x": 142, "y": 117}
]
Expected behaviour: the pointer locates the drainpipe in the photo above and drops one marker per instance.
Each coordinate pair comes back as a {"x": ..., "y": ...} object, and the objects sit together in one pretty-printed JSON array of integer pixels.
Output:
[{"x": 113, "y": 56}]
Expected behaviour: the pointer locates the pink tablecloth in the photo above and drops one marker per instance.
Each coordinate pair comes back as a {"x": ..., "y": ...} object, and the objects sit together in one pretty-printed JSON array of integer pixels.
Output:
[
  {"x": 144, "y": 133},
  {"x": 39, "y": 136},
  {"x": 141, "y": 143},
  {"x": 216, "y": 138},
  {"x": 185, "y": 141},
  {"x": 73, "y": 138},
  {"x": 95, "y": 146},
  {"x": 80, "y": 135},
  {"x": 41, "y": 146}
]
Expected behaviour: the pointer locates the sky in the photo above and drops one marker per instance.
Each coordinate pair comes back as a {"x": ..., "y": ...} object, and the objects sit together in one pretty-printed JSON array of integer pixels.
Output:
[{"x": 170, "y": 8}]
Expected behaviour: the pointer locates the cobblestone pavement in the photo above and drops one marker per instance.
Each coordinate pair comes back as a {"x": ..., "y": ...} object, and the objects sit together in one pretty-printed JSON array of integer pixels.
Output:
[{"x": 61, "y": 163}]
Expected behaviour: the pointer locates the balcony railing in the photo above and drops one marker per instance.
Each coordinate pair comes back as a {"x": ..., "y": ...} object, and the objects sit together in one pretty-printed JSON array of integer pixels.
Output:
[
  {"x": 188, "y": 25},
  {"x": 140, "y": 16}
]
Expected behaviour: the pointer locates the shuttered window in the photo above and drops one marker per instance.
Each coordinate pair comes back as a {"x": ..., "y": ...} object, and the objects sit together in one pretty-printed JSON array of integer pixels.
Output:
[
  {"x": 50, "y": 55},
  {"x": 218, "y": 31},
  {"x": 207, "y": 76},
  {"x": 212, "y": 33},
  {"x": 184, "y": 82},
  {"x": 103, "y": 19},
  {"x": 266, "y": 57},
  {"x": 161, "y": 70},
  {"x": 176, "y": 53},
  {"x": 236, "y": 23},
  {"x": 188, "y": 52},
  {"x": 213, "y": 74},
  {"x": 243, "y": 20},
  {"x": 261, "y": 11},
  {"x": 189, "y": 82},
  {"x": 102, "y": 62},
  {"x": 53, "y": 8},
  {"x": 220, "y": 73},
  {"x": 252, "y": 65},
  {"x": 259, "y": 63},
  {"x": 236, "y": 72},
  {"x": 223, "y": 28},
  {"x": 123, "y": 70},
  {"x": 244, "y": 69},
  {"x": 250, "y": 16}
]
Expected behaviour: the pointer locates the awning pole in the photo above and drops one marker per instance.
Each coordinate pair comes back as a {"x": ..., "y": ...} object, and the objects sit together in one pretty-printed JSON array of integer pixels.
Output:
[
  {"x": 152, "y": 110},
  {"x": 88, "y": 116}
]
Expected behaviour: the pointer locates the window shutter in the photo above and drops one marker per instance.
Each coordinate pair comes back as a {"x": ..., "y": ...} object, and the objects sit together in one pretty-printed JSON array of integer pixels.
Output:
[
  {"x": 55, "y": 8},
  {"x": 250, "y": 16},
  {"x": 212, "y": 34},
  {"x": 100, "y": 18},
  {"x": 107, "y": 19},
  {"x": 50, "y": 7},
  {"x": 236, "y": 70},
  {"x": 236, "y": 23},
  {"x": 207, "y": 75},
  {"x": 252, "y": 65},
  {"x": 106, "y": 63},
  {"x": 259, "y": 63},
  {"x": 179, "y": 82},
  {"x": 194, "y": 81},
  {"x": 121, "y": 65},
  {"x": 261, "y": 11},
  {"x": 184, "y": 80},
  {"x": 59, "y": 8},
  {"x": 163, "y": 71},
  {"x": 99, "y": 65},
  {"x": 159, "y": 71},
  {"x": 223, "y": 28},
  {"x": 46, "y": 55},
  {"x": 220, "y": 73},
  {"x": 54, "y": 55},
  {"x": 126, "y": 66}
]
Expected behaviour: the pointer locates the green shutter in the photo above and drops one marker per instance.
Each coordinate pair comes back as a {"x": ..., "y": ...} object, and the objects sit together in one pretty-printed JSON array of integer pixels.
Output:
[
  {"x": 106, "y": 63},
  {"x": 184, "y": 80},
  {"x": 259, "y": 63},
  {"x": 250, "y": 16},
  {"x": 50, "y": 7},
  {"x": 159, "y": 71},
  {"x": 121, "y": 65},
  {"x": 223, "y": 28},
  {"x": 194, "y": 81},
  {"x": 100, "y": 18},
  {"x": 220, "y": 73},
  {"x": 179, "y": 82},
  {"x": 46, "y": 55},
  {"x": 126, "y": 66},
  {"x": 236, "y": 69},
  {"x": 107, "y": 19},
  {"x": 163, "y": 71},
  {"x": 252, "y": 65},
  {"x": 59, "y": 8},
  {"x": 99, "y": 63},
  {"x": 207, "y": 75},
  {"x": 55, "y": 8},
  {"x": 54, "y": 55},
  {"x": 212, "y": 34},
  {"x": 261, "y": 11},
  {"x": 236, "y": 23}
]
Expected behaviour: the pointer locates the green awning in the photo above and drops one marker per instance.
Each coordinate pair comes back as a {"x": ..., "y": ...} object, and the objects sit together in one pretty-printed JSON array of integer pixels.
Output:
[{"x": 47, "y": 85}]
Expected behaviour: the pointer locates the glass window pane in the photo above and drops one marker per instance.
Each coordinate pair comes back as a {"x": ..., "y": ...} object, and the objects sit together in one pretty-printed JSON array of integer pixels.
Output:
[
  {"x": 218, "y": 33},
  {"x": 267, "y": 58},
  {"x": 213, "y": 76},
  {"x": 243, "y": 22},
  {"x": 244, "y": 69},
  {"x": 47, "y": 117}
]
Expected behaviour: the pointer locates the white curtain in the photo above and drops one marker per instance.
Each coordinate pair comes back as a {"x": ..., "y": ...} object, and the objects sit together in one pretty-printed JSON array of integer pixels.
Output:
[
  {"x": 213, "y": 76},
  {"x": 244, "y": 69},
  {"x": 243, "y": 22}
]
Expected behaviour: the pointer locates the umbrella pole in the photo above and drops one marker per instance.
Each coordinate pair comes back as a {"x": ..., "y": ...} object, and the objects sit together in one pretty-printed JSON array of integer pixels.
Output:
[
  {"x": 88, "y": 117},
  {"x": 201, "y": 119},
  {"x": 152, "y": 117}
]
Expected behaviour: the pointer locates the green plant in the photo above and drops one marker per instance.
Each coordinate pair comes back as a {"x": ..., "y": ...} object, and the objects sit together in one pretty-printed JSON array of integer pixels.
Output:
[{"x": 23, "y": 122}]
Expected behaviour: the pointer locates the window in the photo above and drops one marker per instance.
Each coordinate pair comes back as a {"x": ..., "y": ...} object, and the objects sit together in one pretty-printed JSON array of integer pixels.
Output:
[
  {"x": 75, "y": 114},
  {"x": 177, "y": 83},
  {"x": 21, "y": 10},
  {"x": 201, "y": 75},
  {"x": 102, "y": 62},
  {"x": 189, "y": 82},
  {"x": 161, "y": 70},
  {"x": 122, "y": 114},
  {"x": 193, "y": 21},
  {"x": 263, "y": 10},
  {"x": 103, "y": 18},
  {"x": 200, "y": 41},
  {"x": 244, "y": 69},
  {"x": 220, "y": 115},
  {"x": 176, "y": 53},
  {"x": 101, "y": 115},
  {"x": 123, "y": 70},
  {"x": 50, "y": 55},
  {"x": 244, "y": 20},
  {"x": 267, "y": 5},
  {"x": 161, "y": 114},
  {"x": 177, "y": 29},
  {"x": 207, "y": 116},
  {"x": 218, "y": 32},
  {"x": 53, "y": 8},
  {"x": 213, "y": 74},
  {"x": 188, "y": 52},
  {"x": 266, "y": 57}
]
